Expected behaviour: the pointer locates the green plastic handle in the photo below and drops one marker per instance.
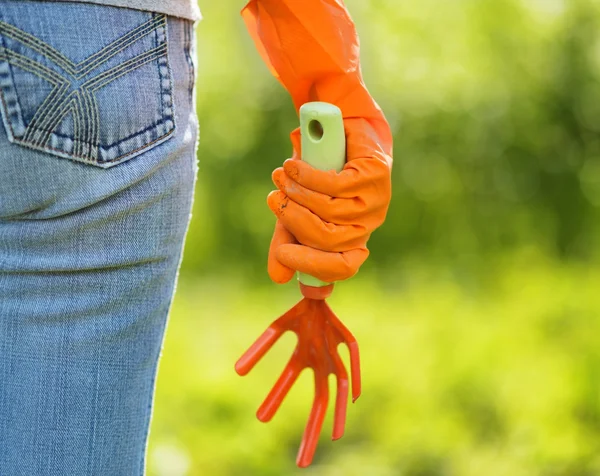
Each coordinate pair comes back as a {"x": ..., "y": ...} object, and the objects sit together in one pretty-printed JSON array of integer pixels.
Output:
[{"x": 323, "y": 147}]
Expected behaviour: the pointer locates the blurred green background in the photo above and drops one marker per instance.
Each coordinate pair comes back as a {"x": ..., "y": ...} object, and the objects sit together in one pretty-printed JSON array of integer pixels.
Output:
[{"x": 477, "y": 312}]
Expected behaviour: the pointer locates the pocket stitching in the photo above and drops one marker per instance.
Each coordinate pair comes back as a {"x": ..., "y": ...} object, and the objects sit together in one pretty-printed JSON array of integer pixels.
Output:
[
  {"x": 79, "y": 70},
  {"x": 41, "y": 138}
]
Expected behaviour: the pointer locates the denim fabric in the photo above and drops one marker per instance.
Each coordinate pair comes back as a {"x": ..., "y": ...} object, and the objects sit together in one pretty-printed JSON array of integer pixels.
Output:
[
  {"x": 180, "y": 8},
  {"x": 95, "y": 202}
]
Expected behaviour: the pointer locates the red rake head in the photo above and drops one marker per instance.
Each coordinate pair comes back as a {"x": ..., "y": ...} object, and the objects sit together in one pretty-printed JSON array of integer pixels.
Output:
[{"x": 319, "y": 333}]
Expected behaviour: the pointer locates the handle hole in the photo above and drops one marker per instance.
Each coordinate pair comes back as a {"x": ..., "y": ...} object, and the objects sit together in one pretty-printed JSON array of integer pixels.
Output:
[{"x": 315, "y": 129}]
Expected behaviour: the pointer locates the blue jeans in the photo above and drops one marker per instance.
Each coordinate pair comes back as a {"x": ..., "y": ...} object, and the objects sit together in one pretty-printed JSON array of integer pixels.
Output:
[{"x": 97, "y": 171}]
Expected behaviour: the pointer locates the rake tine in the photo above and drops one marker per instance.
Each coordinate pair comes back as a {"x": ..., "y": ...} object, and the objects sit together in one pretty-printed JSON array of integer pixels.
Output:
[
  {"x": 352, "y": 345},
  {"x": 257, "y": 350},
  {"x": 355, "y": 369},
  {"x": 341, "y": 401},
  {"x": 262, "y": 345},
  {"x": 315, "y": 423},
  {"x": 279, "y": 391}
]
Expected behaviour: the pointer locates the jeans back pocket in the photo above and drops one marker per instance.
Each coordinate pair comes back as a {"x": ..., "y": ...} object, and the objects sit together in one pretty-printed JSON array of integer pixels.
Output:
[{"x": 84, "y": 82}]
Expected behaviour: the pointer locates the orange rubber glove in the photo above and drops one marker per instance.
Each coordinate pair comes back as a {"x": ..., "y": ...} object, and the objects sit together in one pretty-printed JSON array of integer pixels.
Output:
[{"x": 324, "y": 218}]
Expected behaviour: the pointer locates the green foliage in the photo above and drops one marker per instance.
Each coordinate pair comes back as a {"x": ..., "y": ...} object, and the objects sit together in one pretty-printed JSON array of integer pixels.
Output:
[{"x": 476, "y": 312}]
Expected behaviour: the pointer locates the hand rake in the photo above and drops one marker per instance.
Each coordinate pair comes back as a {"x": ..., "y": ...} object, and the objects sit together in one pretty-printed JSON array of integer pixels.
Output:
[{"x": 318, "y": 329}]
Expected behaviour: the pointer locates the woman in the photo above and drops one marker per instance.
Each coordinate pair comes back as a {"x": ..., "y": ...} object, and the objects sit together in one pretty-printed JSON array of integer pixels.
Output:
[{"x": 97, "y": 173}]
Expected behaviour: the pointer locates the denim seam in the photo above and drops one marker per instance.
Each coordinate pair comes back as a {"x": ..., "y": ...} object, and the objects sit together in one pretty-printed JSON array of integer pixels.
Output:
[
  {"x": 77, "y": 128},
  {"x": 63, "y": 112},
  {"x": 59, "y": 109},
  {"x": 78, "y": 105},
  {"x": 29, "y": 65},
  {"x": 165, "y": 63},
  {"x": 45, "y": 111},
  {"x": 6, "y": 110},
  {"x": 131, "y": 136},
  {"x": 94, "y": 137},
  {"x": 42, "y": 111},
  {"x": 34, "y": 67},
  {"x": 87, "y": 159},
  {"x": 156, "y": 43},
  {"x": 124, "y": 68},
  {"x": 78, "y": 70},
  {"x": 187, "y": 34}
]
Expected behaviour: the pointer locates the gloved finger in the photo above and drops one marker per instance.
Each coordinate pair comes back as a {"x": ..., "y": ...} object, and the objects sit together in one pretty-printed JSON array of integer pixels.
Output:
[
  {"x": 296, "y": 139},
  {"x": 278, "y": 272},
  {"x": 328, "y": 267},
  {"x": 368, "y": 178},
  {"x": 311, "y": 231},
  {"x": 341, "y": 211}
]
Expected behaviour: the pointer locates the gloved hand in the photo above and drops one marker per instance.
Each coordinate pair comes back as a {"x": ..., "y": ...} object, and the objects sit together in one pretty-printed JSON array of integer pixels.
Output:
[{"x": 326, "y": 218}]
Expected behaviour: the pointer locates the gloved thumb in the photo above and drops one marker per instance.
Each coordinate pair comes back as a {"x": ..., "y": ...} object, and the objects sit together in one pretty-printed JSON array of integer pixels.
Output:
[{"x": 296, "y": 140}]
